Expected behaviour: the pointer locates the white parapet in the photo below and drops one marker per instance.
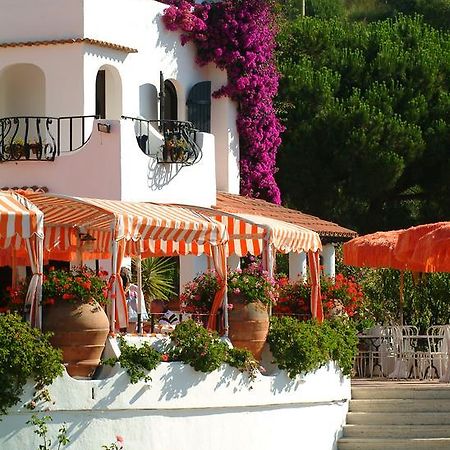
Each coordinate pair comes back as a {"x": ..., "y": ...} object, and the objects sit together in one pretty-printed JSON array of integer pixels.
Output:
[{"x": 184, "y": 409}]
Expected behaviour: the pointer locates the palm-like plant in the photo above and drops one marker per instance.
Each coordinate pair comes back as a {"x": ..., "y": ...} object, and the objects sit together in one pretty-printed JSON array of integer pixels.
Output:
[{"x": 158, "y": 278}]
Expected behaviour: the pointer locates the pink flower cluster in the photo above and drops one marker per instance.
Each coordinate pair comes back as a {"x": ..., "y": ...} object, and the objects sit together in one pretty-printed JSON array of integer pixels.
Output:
[{"x": 239, "y": 37}]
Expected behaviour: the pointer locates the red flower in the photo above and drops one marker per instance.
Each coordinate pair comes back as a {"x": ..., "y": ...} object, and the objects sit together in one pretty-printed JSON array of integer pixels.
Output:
[{"x": 165, "y": 357}]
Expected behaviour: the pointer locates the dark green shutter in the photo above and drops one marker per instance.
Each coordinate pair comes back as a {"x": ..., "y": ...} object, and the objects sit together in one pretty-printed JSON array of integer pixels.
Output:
[{"x": 199, "y": 106}]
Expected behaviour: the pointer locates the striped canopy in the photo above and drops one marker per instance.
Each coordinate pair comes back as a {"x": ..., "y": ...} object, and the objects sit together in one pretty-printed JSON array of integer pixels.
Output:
[
  {"x": 247, "y": 234},
  {"x": 125, "y": 229},
  {"x": 107, "y": 220},
  {"x": 19, "y": 219},
  {"x": 258, "y": 235},
  {"x": 21, "y": 228}
]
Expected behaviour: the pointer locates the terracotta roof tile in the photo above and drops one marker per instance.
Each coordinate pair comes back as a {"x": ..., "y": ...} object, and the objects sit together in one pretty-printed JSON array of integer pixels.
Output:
[
  {"x": 120, "y": 48},
  {"x": 328, "y": 231}
]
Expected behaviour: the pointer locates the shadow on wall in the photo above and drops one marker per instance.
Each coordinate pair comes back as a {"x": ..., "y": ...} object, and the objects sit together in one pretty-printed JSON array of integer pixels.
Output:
[
  {"x": 167, "y": 40},
  {"x": 161, "y": 174}
]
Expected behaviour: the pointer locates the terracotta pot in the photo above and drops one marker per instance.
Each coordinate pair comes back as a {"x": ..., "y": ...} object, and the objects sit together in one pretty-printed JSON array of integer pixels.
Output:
[
  {"x": 80, "y": 331},
  {"x": 249, "y": 324}
]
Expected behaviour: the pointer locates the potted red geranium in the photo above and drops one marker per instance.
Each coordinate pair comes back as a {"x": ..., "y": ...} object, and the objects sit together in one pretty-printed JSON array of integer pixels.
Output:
[{"x": 73, "y": 312}]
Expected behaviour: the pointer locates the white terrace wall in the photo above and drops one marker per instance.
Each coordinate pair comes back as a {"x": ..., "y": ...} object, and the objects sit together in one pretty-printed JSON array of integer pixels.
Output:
[{"x": 183, "y": 409}]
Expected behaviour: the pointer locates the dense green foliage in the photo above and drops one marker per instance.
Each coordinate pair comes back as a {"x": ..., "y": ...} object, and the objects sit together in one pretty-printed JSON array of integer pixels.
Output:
[
  {"x": 301, "y": 347},
  {"x": 368, "y": 121},
  {"x": 196, "y": 346},
  {"x": 138, "y": 361},
  {"x": 435, "y": 12},
  {"x": 25, "y": 353},
  {"x": 426, "y": 298},
  {"x": 190, "y": 343}
]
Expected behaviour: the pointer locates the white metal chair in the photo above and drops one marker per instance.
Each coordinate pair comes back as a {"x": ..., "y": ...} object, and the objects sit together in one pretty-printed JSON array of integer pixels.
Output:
[
  {"x": 372, "y": 349},
  {"x": 404, "y": 352},
  {"x": 437, "y": 350}
]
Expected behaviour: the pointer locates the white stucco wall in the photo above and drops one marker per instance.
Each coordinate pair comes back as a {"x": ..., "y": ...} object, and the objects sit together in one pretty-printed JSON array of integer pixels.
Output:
[
  {"x": 183, "y": 409},
  {"x": 70, "y": 72},
  {"x": 112, "y": 166}
]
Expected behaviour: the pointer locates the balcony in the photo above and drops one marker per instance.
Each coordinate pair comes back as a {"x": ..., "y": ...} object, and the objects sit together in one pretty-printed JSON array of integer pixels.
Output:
[
  {"x": 42, "y": 138},
  {"x": 168, "y": 141}
]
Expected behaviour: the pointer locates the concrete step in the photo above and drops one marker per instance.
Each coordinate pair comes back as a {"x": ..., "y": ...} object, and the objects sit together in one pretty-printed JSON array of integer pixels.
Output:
[
  {"x": 405, "y": 392},
  {"x": 400, "y": 405},
  {"x": 392, "y": 444},
  {"x": 403, "y": 418},
  {"x": 397, "y": 431}
]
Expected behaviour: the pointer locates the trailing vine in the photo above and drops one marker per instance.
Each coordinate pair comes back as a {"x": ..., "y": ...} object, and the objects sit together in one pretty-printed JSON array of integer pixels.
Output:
[{"x": 239, "y": 37}]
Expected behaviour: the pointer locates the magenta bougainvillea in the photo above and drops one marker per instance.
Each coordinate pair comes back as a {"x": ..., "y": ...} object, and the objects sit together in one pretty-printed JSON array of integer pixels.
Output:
[{"x": 239, "y": 37}]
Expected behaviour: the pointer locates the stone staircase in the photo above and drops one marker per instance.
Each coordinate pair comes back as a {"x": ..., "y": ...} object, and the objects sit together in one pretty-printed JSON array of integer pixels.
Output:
[{"x": 397, "y": 415}]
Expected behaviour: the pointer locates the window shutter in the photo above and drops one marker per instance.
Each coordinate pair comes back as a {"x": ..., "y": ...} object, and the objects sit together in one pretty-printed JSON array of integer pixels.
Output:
[
  {"x": 161, "y": 97},
  {"x": 199, "y": 106}
]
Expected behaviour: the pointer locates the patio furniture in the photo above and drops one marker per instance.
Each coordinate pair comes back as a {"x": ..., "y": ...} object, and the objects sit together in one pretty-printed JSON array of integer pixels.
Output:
[
  {"x": 374, "y": 346},
  {"x": 438, "y": 350},
  {"x": 404, "y": 340}
]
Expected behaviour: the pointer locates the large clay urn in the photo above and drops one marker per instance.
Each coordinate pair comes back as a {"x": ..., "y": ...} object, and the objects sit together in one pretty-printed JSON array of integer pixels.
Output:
[
  {"x": 80, "y": 331},
  {"x": 249, "y": 324}
]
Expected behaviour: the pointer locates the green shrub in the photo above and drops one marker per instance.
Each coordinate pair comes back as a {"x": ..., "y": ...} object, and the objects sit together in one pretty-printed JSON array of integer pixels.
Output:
[
  {"x": 136, "y": 360},
  {"x": 194, "y": 345},
  {"x": 25, "y": 353},
  {"x": 301, "y": 347},
  {"x": 191, "y": 344},
  {"x": 243, "y": 360}
]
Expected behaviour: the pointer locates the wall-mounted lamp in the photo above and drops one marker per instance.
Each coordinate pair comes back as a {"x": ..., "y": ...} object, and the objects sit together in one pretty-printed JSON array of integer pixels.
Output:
[
  {"x": 104, "y": 127},
  {"x": 87, "y": 241},
  {"x": 86, "y": 237}
]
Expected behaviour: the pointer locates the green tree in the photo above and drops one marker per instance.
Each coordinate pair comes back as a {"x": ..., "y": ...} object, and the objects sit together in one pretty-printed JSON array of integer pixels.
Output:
[{"x": 368, "y": 120}]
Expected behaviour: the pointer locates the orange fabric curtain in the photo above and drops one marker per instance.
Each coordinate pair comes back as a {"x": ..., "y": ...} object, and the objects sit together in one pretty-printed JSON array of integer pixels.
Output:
[
  {"x": 116, "y": 293},
  {"x": 220, "y": 299},
  {"x": 316, "y": 300},
  {"x": 35, "y": 248}
]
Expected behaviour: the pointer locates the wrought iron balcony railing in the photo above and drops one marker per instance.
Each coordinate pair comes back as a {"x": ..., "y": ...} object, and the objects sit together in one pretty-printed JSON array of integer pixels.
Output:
[
  {"x": 179, "y": 145},
  {"x": 42, "y": 138}
]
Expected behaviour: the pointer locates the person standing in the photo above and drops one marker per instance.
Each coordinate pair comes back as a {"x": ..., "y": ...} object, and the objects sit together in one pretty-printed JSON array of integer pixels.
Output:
[{"x": 132, "y": 297}]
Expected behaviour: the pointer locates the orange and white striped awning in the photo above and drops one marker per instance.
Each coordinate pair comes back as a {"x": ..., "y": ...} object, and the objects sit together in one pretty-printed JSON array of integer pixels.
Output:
[
  {"x": 157, "y": 226},
  {"x": 247, "y": 234},
  {"x": 19, "y": 220}
]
